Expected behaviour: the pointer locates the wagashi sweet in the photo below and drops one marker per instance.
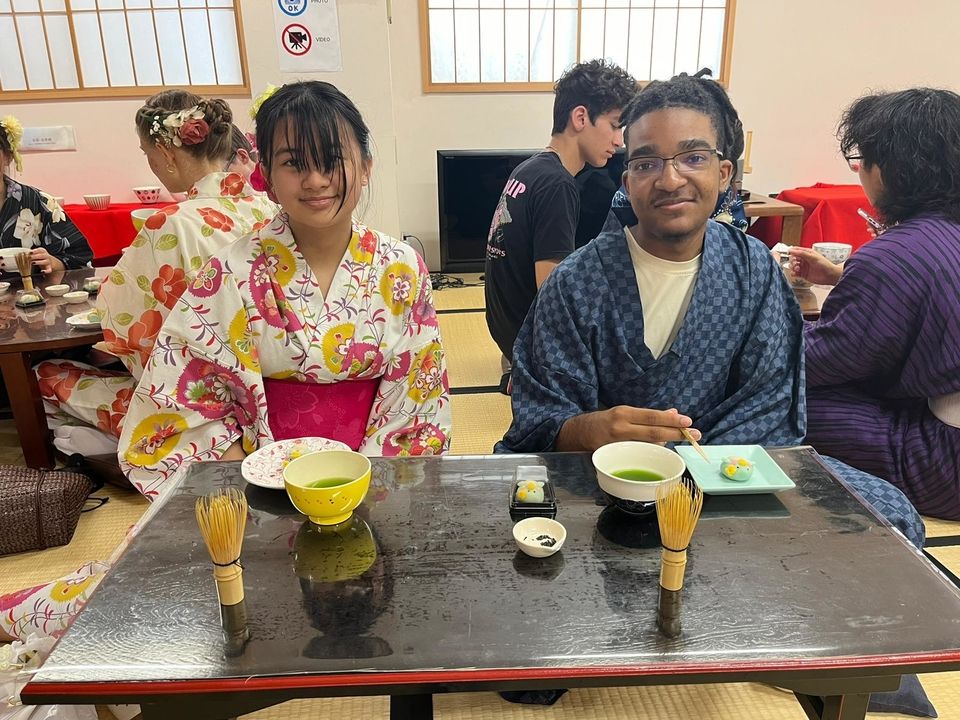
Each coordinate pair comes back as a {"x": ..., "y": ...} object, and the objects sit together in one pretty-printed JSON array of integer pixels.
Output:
[
  {"x": 735, "y": 468},
  {"x": 529, "y": 491}
]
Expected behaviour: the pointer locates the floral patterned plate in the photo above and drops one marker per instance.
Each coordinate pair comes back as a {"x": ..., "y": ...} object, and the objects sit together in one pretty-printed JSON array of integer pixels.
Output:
[{"x": 265, "y": 466}]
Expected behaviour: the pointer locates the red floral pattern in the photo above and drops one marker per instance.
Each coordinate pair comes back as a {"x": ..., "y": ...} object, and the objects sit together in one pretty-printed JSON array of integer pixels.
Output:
[{"x": 169, "y": 285}]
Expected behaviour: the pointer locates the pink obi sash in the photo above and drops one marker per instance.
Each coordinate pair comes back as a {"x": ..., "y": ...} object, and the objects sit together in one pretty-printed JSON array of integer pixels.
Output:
[{"x": 338, "y": 411}]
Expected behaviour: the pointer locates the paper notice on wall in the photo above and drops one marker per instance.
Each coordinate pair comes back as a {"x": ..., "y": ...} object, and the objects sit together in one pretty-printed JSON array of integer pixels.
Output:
[{"x": 308, "y": 35}]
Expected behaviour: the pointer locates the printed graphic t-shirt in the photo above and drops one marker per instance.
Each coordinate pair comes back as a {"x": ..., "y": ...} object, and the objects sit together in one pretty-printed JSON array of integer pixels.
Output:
[{"x": 536, "y": 219}]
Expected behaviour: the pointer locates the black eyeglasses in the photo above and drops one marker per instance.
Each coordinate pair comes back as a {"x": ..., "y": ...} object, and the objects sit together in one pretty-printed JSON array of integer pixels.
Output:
[
  {"x": 854, "y": 161},
  {"x": 685, "y": 163}
]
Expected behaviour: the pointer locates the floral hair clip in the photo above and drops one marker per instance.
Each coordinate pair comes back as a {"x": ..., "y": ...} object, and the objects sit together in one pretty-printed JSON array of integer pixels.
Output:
[
  {"x": 261, "y": 99},
  {"x": 14, "y": 132},
  {"x": 183, "y": 127}
]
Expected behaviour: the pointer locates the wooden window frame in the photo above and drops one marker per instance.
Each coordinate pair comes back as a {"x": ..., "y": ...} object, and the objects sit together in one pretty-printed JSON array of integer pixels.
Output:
[
  {"x": 429, "y": 86},
  {"x": 126, "y": 91}
]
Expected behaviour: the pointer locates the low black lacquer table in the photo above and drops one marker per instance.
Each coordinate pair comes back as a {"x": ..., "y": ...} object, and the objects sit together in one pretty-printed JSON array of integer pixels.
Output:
[{"x": 426, "y": 592}]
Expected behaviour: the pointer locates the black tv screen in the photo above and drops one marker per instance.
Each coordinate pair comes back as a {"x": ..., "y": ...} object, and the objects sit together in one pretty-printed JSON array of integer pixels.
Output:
[{"x": 469, "y": 184}]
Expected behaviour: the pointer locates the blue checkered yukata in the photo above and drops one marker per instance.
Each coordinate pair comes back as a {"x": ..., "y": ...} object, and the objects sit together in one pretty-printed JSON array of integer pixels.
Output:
[{"x": 736, "y": 366}]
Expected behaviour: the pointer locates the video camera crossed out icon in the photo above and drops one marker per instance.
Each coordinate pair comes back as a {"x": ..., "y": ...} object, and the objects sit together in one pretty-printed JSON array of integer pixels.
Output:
[{"x": 297, "y": 39}]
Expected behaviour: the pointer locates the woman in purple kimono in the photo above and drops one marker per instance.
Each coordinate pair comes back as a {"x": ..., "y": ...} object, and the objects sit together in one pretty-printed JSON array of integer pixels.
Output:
[{"x": 883, "y": 361}]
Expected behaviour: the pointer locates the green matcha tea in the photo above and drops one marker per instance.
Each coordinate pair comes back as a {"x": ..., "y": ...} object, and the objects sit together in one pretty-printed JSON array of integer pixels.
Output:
[
  {"x": 638, "y": 475},
  {"x": 329, "y": 482}
]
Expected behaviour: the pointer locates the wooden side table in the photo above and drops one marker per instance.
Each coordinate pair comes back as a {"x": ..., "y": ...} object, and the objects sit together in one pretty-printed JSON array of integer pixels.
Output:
[{"x": 763, "y": 206}]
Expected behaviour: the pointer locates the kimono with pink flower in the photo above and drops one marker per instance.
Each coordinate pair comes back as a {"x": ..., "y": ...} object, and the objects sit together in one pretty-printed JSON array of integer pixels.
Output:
[
  {"x": 166, "y": 254},
  {"x": 253, "y": 326}
]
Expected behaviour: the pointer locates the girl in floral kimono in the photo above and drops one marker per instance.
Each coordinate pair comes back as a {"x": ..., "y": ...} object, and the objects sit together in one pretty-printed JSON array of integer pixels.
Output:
[
  {"x": 33, "y": 219},
  {"x": 312, "y": 325},
  {"x": 188, "y": 141}
]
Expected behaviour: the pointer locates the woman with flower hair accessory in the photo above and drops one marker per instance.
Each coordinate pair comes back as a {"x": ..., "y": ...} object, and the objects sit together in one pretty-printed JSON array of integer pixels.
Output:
[
  {"x": 312, "y": 325},
  {"x": 33, "y": 219},
  {"x": 188, "y": 142}
]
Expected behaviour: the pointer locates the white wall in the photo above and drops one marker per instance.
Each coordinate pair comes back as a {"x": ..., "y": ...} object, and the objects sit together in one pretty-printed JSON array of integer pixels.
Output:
[{"x": 795, "y": 66}]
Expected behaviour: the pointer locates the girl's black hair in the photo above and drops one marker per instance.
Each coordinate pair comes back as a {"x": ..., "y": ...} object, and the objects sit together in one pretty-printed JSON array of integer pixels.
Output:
[
  {"x": 315, "y": 115},
  {"x": 694, "y": 92},
  {"x": 914, "y": 137}
]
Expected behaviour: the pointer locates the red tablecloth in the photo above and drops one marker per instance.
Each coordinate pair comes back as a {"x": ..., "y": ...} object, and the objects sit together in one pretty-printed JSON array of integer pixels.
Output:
[
  {"x": 829, "y": 215},
  {"x": 108, "y": 231}
]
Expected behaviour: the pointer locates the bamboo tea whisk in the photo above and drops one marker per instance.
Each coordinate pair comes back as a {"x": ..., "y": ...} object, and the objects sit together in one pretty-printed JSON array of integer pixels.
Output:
[
  {"x": 222, "y": 516},
  {"x": 678, "y": 509},
  {"x": 25, "y": 266}
]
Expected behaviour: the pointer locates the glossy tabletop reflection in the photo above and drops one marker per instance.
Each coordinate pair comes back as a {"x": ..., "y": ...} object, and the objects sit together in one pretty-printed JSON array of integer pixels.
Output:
[{"x": 427, "y": 578}]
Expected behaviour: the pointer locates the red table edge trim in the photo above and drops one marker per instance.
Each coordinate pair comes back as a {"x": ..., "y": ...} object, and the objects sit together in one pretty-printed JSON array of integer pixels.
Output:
[{"x": 360, "y": 679}]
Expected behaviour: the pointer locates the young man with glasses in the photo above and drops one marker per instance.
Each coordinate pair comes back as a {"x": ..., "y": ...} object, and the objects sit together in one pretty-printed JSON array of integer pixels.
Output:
[{"x": 677, "y": 322}]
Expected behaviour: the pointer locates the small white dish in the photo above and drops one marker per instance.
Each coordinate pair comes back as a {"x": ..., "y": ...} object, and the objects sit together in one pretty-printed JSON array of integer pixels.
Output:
[
  {"x": 539, "y": 537},
  {"x": 4, "y": 286},
  {"x": 85, "y": 321},
  {"x": 100, "y": 201},
  {"x": 77, "y": 296},
  {"x": 265, "y": 466},
  {"x": 57, "y": 290}
]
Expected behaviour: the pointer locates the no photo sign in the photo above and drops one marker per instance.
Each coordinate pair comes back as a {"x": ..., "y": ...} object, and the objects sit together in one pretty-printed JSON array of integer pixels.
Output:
[{"x": 308, "y": 35}]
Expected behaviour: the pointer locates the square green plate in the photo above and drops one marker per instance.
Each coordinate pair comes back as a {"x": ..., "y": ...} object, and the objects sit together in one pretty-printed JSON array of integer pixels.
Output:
[{"x": 767, "y": 475}]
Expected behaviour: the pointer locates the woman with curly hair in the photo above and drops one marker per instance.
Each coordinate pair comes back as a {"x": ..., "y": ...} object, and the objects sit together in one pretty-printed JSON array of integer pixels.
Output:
[
  {"x": 883, "y": 361},
  {"x": 188, "y": 142}
]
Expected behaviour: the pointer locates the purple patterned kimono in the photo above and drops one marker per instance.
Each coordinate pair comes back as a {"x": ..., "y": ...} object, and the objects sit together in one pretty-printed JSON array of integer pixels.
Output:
[{"x": 888, "y": 339}]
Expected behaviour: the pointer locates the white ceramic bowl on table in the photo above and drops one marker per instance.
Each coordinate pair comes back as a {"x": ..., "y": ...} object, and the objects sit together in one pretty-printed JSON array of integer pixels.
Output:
[
  {"x": 630, "y": 455},
  {"x": 56, "y": 290},
  {"x": 8, "y": 258},
  {"x": 77, "y": 296},
  {"x": 539, "y": 537},
  {"x": 147, "y": 194},
  {"x": 97, "y": 202}
]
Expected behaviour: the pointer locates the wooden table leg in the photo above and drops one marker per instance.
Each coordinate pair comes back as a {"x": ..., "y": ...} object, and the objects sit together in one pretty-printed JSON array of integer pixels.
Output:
[
  {"x": 27, "y": 407},
  {"x": 792, "y": 226}
]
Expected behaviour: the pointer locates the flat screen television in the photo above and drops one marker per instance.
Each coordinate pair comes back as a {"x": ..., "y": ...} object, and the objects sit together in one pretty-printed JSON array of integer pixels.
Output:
[{"x": 469, "y": 184}]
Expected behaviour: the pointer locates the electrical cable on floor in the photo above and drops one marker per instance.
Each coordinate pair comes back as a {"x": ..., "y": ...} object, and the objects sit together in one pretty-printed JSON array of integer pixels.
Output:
[{"x": 439, "y": 280}]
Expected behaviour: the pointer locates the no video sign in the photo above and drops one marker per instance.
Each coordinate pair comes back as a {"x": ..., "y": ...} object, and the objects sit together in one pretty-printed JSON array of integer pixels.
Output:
[{"x": 308, "y": 35}]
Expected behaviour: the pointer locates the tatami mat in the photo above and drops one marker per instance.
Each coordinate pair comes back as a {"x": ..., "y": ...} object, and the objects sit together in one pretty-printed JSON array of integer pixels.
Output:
[
  {"x": 941, "y": 528},
  {"x": 98, "y": 534},
  {"x": 676, "y": 702},
  {"x": 473, "y": 359},
  {"x": 479, "y": 421},
  {"x": 468, "y": 297}
]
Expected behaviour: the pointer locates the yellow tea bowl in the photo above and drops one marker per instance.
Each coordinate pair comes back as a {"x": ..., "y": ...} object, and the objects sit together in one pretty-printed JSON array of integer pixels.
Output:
[{"x": 327, "y": 485}]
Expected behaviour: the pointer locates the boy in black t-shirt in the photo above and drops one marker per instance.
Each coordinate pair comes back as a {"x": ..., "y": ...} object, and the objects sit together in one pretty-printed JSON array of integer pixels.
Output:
[{"x": 535, "y": 223}]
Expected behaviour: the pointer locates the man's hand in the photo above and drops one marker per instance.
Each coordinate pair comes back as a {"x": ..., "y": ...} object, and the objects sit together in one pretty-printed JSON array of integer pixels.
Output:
[{"x": 592, "y": 430}]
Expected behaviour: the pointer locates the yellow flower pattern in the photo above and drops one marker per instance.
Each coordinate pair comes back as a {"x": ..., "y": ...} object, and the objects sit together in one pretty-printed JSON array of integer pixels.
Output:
[{"x": 398, "y": 286}]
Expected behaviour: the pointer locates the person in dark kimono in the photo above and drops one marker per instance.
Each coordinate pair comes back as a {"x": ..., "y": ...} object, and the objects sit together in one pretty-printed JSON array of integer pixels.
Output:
[
  {"x": 883, "y": 361},
  {"x": 32, "y": 219},
  {"x": 676, "y": 322}
]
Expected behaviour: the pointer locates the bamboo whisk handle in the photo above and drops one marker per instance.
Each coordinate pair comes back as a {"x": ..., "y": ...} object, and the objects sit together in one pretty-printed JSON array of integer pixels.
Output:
[
  {"x": 668, "y": 613},
  {"x": 229, "y": 584}
]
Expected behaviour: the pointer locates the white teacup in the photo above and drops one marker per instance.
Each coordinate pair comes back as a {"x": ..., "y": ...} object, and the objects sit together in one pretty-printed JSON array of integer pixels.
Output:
[
  {"x": 630, "y": 455},
  {"x": 833, "y": 251}
]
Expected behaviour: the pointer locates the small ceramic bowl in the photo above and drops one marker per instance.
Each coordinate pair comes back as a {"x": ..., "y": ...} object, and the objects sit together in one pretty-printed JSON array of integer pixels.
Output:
[
  {"x": 833, "y": 251},
  {"x": 92, "y": 286},
  {"x": 57, "y": 290},
  {"x": 147, "y": 194},
  {"x": 77, "y": 296},
  {"x": 539, "y": 537},
  {"x": 4, "y": 286},
  {"x": 333, "y": 504},
  {"x": 630, "y": 455},
  {"x": 139, "y": 217},
  {"x": 97, "y": 202},
  {"x": 8, "y": 258}
]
